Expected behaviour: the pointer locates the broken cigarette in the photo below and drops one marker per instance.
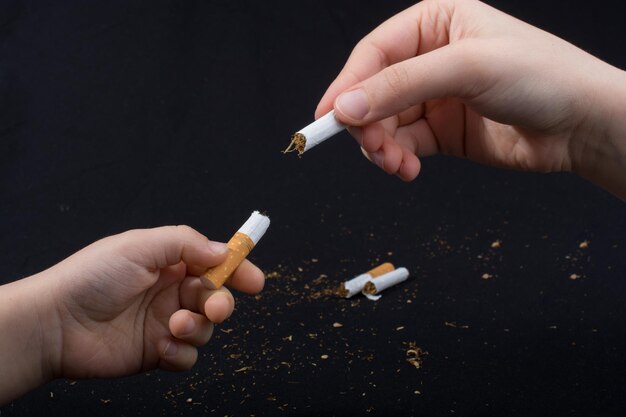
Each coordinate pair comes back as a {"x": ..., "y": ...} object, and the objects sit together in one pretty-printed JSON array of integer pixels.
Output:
[
  {"x": 355, "y": 285},
  {"x": 373, "y": 287},
  {"x": 239, "y": 246},
  {"x": 315, "y": 133}
]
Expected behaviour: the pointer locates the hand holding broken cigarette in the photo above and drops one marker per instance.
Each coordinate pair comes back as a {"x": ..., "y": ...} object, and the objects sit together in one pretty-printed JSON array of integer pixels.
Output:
[
  {"x": 125, "y": 304},
  {"x": 464, "y": 79}
]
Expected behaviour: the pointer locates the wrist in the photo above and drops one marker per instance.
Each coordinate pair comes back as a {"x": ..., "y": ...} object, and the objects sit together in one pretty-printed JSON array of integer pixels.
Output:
[
  {"x": 598, "y": 147},
  {"x": 27, "y": 317},
  {"x": 49, "y": 319}
]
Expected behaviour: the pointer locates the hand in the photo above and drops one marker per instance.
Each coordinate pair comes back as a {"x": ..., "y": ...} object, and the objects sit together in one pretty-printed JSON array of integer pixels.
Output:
[
  {"x": 128, "y": 303},
  {"x": 460, "y": 78}
]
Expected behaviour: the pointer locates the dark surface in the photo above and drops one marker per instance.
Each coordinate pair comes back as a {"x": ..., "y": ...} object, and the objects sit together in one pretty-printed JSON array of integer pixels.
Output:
[{"x": 127, "y": 114}]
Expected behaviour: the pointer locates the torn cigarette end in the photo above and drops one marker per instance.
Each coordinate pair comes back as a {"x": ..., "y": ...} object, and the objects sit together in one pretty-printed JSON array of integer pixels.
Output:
[
  {"x": 342, "y": 291},
  {"x": 372, "y": 288},
  {"x": 298, "y": 143},
  {"x": 352, "y": 287},
  {"x": 369, "y": 288},
  {"x": 317, "y": 132},
  {"x": 239, "y": 246}
]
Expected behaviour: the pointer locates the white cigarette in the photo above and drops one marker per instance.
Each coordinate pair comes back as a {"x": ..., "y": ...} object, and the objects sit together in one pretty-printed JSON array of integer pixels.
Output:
[
  {"x": 317, "y": 132},
  {"x": 255, "y": 227},
  {"x": 355, "y": 285},
  {"x": 373, "y": 287},
  {"x": 239, "y": 246}
]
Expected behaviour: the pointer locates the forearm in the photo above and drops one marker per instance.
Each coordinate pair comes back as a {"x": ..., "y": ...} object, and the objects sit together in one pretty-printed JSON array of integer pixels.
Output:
[
  {"x": 599, "y": 155},
  {"x": 24, "y": 364}
]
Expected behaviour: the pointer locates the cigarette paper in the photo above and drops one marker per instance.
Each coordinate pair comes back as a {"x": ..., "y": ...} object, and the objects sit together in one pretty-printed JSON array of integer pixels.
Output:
[
  {"x": 317, "y": 132},
  {"x": 239, "y": 246},
  {"x": 373, "y": 287},
  {"x": 355, "y": 285}
]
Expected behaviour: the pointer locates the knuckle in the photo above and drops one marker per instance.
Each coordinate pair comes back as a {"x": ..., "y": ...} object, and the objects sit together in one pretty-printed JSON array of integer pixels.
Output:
[
  {"x": 183, "y": 228},
  {"x": 396, "y": 78}
]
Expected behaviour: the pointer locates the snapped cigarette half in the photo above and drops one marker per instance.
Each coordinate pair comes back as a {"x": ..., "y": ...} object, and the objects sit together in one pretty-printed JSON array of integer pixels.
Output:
[
  {"x": 239, "y": 246},
  {"x": 373, "y": 287},
  {"x": 317, "y": 132},
  {"x": 355, "y": 285}
]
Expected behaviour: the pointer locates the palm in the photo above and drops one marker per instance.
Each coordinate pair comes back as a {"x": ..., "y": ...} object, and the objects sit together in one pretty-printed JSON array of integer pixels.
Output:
[
  {"x": 458, "y": 130},
  {"x": 485, "y": 141},
  {"x": 115, "y": 323}
]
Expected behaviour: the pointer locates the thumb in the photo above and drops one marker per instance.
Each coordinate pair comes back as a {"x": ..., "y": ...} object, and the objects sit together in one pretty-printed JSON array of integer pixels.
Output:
[
  {"x": 449, "y": 71},
  {"x": 169, "y": 245}
]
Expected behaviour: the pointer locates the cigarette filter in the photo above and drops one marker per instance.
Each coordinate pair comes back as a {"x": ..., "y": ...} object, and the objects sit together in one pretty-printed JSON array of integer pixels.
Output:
[
  {"x": 373, "y": 287},
  {"x": 315, "y": 133},
  {"x": 239, "y": 246},
  {"x": 355, "y": 285}
]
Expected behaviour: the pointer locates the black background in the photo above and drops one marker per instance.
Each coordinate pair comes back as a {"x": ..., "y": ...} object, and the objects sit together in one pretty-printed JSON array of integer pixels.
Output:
[{"x": 128, "y": 114}]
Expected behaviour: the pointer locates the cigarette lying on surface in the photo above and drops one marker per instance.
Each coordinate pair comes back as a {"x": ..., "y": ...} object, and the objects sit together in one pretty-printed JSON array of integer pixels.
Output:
[
  {"x": 239, "y": 246},
  {"x": 315, "y": 133},
  {"x": 355, "y": 285},
  {"x": 373, "y": 287}
]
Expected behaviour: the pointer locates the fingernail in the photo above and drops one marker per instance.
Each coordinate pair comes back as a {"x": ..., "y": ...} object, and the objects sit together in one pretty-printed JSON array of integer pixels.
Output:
[
  {"x": 378, "y": 157},
  {"x": 188, "y": 328},
  {"x": 353, "y": 104},
  {"x": 217, "y": 248},
  {"x": 171, "y": 349}
]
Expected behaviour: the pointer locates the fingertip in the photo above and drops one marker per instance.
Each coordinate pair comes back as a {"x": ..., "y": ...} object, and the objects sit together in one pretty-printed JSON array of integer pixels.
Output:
[
  {"x": 260, "y": 284},
  {"x": 192, "y": 328},
  {"x": 256, "y": 280},
  {"x": 181, "y": 324},
  {"x": 391, "y": 158},
  {"x": 351, "y": 107},
  {"x": 247, "y": 278},
  {"x": 410, "y": 167},
  {"x": 217, "y": 248},
  {"x": 175, "y": 355},
  {"x": 373, "y": 137},
  {"x": 322, "y": 108},
  {"x": 213, "y": 253},
  {"x": 219, "y": 306}
]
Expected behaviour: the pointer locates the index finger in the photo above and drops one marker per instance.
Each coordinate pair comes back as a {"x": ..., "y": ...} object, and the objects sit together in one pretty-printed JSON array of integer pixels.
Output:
[{"x": 416, "y": 30}]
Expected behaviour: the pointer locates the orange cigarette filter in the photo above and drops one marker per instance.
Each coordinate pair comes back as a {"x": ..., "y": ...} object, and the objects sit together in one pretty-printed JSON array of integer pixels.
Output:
[
  {"x": 239, "y": 246},
  {"x": 381, "y": 269}
]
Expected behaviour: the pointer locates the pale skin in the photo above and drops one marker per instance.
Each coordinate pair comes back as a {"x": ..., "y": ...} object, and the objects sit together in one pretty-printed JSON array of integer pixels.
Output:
[
  {"x": 461, "y": 78},
  {"x": 125, "y": 304}
]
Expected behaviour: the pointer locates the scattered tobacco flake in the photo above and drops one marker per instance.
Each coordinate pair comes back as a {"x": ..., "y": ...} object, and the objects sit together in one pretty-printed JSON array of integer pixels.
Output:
[
  {"x": 453, "y": 324},
  {"x": 272, "y": 275},
  {"x": 415, "y": 355}
]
